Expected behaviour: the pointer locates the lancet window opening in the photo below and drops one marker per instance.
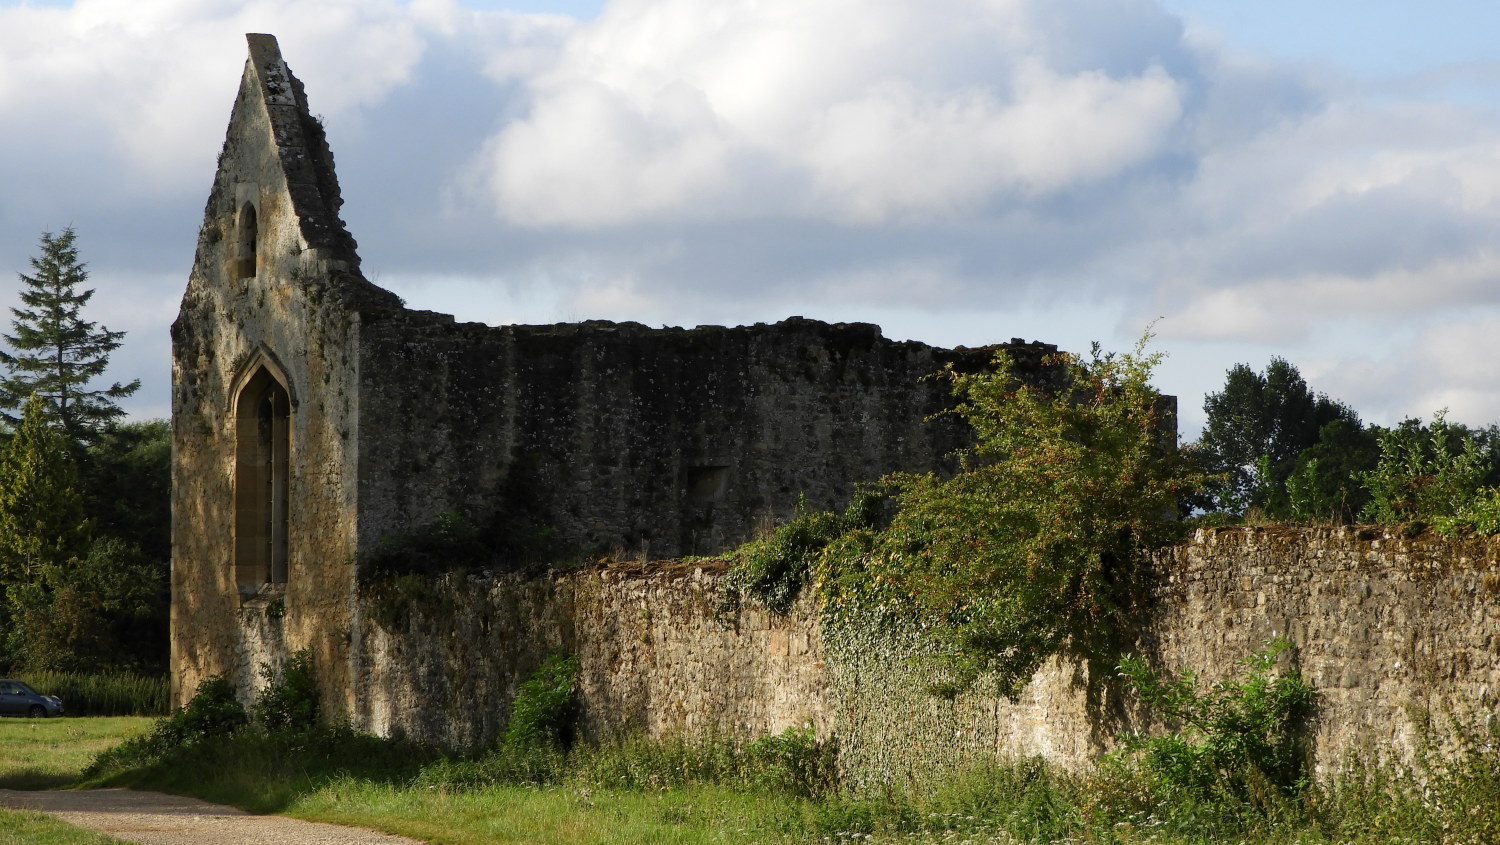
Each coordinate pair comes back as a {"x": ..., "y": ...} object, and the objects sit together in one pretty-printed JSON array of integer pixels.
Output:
[
  {"x": 262, "y": 482},
  {"x": 246, "y": 243}
]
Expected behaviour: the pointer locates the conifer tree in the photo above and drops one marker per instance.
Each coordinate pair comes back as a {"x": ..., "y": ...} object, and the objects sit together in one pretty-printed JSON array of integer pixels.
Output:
[
  {"x": 57, "y": 353},
  {"x": 42, "y": 521}
]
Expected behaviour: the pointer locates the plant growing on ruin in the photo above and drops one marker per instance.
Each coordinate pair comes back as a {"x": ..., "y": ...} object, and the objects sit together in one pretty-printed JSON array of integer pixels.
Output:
[
  {"x": 1038, "y": 544},
  {"x": 774, "y": 568},
  {"x": 289, "y": 700},
  {"x": 545, "y": 708},
  {"x": 1237, "y": 750}
]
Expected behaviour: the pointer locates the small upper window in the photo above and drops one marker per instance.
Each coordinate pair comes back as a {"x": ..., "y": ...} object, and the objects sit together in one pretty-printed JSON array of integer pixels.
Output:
[{"x": 246, "y": 243}]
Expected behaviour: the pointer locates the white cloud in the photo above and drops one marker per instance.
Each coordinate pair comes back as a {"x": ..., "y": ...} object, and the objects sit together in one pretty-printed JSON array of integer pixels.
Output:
[
  {"x": 862, "y": 112},
  {"x": 680, "y": 160}
]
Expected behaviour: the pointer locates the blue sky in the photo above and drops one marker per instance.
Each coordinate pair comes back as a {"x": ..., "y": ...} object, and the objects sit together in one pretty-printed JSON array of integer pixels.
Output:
[
  {"x": 1363, "y": 38},
  {"x": 1319, "y": 181}
]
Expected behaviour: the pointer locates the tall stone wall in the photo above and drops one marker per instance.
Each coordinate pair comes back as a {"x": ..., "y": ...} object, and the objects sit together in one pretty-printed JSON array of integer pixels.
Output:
[
  {"x": 615, "y": 436},
  {"x": 1385, "y": 625},
  {"x": 1382, "y": 624}
]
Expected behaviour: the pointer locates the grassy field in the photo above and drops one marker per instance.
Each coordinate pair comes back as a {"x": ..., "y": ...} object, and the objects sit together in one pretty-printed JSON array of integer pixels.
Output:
[
  {"x": 50, "y": 753},
  {"x": 690, "y": 793}
]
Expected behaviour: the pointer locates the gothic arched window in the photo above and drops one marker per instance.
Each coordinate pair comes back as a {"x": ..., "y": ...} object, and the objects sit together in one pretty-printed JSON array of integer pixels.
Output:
[{"x": 262, "y": 465}]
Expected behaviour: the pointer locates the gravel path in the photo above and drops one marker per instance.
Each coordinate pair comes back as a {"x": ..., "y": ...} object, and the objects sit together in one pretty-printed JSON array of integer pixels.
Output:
[{"x": 154, "y": 818}]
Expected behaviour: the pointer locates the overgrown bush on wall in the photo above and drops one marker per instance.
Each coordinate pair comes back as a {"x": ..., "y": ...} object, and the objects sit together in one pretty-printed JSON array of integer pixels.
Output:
[{"x": 1035, "y": 547}]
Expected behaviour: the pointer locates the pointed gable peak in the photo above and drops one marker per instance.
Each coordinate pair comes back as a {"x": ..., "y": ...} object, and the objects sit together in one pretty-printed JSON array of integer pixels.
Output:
[{"x": 300, "y": 154}]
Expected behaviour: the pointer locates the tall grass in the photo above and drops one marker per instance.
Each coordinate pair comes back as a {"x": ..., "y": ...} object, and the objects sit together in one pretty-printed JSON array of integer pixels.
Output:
[{"x": 120, "y": 694}]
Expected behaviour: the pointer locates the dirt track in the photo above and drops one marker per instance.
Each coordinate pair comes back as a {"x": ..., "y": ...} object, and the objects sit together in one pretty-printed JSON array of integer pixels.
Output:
[{"x": 154, "y": 818}]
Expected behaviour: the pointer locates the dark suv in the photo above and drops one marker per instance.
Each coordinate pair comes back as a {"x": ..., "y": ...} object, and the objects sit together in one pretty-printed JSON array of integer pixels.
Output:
[{"x": 17, "y": 699}]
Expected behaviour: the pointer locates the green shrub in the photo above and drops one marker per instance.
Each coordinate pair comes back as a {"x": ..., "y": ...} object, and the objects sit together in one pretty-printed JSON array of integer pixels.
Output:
[
  {"x": 794, "y": 761},
  {"x": 213, "y": 712},
  {"x": 774, "y": 568},
  {"x": 1424, "y": 472},
  {"x": 544, "y": 710},
  {"x": 1239, "y": 753},
  {"x": 290, "y": 697}
]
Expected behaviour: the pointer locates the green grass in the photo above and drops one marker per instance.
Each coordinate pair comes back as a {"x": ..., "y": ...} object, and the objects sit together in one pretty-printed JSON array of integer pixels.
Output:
[
  {"x": 642, "y": 791},
  {"x": 562, "y": 814},
  {"x": 17, "y": 827},
  {"x": 50, "y": 753}
]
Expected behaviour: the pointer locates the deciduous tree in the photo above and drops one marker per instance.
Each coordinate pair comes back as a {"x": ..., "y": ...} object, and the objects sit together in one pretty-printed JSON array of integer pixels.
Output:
[{"x": 1256, "y": 428}]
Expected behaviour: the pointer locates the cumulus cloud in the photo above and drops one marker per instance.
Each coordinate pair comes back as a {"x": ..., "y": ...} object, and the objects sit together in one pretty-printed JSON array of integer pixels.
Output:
[
  {"x": 968, "y": 162},
  {"x": 865, "y": 112}
]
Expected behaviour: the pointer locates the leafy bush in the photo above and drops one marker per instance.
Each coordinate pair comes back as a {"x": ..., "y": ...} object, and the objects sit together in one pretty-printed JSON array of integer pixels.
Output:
[
  {"x": 1036, "y": 546},
  {"x": 1424, "y": 472},
  {"x": 1239, "y": 750},
  {"x": 794, "y": 761},
  {"x": 213, "y": 713},
  {"x": 289, "y": 700},
  {"x": 774, "y": 568},
  {"x": 544, "y": 710}
]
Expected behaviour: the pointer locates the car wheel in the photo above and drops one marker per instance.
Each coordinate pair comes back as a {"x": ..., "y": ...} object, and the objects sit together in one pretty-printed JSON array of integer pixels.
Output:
[{"x": 38, "y": 711}]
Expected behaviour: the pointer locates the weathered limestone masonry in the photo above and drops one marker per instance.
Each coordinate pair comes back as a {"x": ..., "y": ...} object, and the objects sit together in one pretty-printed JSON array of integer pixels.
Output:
[
  {"x": 1382, "y": 625},
  {"x": 314, "y": 415},
  {"x": 263, "y": 361},
  {"x": 658, "y": 656},
  {"x": 652, "y": 441}
]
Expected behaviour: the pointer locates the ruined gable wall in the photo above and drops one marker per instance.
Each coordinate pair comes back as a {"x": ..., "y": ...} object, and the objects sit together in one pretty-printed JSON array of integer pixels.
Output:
[
  {"x": 659, "y": 441},
  {"x": 1380, "y": 623},
  {"x": 300, "y": 311}
]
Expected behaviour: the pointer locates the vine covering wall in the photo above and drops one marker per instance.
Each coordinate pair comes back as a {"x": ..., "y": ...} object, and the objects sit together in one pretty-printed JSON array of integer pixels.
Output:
[{"x": 1386, "y": 627}]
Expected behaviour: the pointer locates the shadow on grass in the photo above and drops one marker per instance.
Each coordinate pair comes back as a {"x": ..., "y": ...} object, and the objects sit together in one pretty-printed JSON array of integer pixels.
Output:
[{"x": 28, "y": 779}]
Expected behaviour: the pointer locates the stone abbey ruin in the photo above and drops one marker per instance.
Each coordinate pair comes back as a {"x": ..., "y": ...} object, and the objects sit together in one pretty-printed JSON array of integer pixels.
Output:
[{"x": 314, "y": 416}]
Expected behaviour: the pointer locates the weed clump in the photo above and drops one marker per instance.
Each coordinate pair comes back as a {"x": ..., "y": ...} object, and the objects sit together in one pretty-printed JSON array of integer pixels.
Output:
[{"x": 212, "y": 713}]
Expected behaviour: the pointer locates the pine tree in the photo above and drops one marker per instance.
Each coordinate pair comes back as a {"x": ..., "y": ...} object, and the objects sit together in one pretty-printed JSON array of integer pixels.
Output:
[{"x": 57, "y": 352}]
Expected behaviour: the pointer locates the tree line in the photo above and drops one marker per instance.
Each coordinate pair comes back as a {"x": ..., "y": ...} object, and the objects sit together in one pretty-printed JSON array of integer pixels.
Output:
[
  {"x": 1273, "y": 449},
  {"x": 85, "y": 526}
]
